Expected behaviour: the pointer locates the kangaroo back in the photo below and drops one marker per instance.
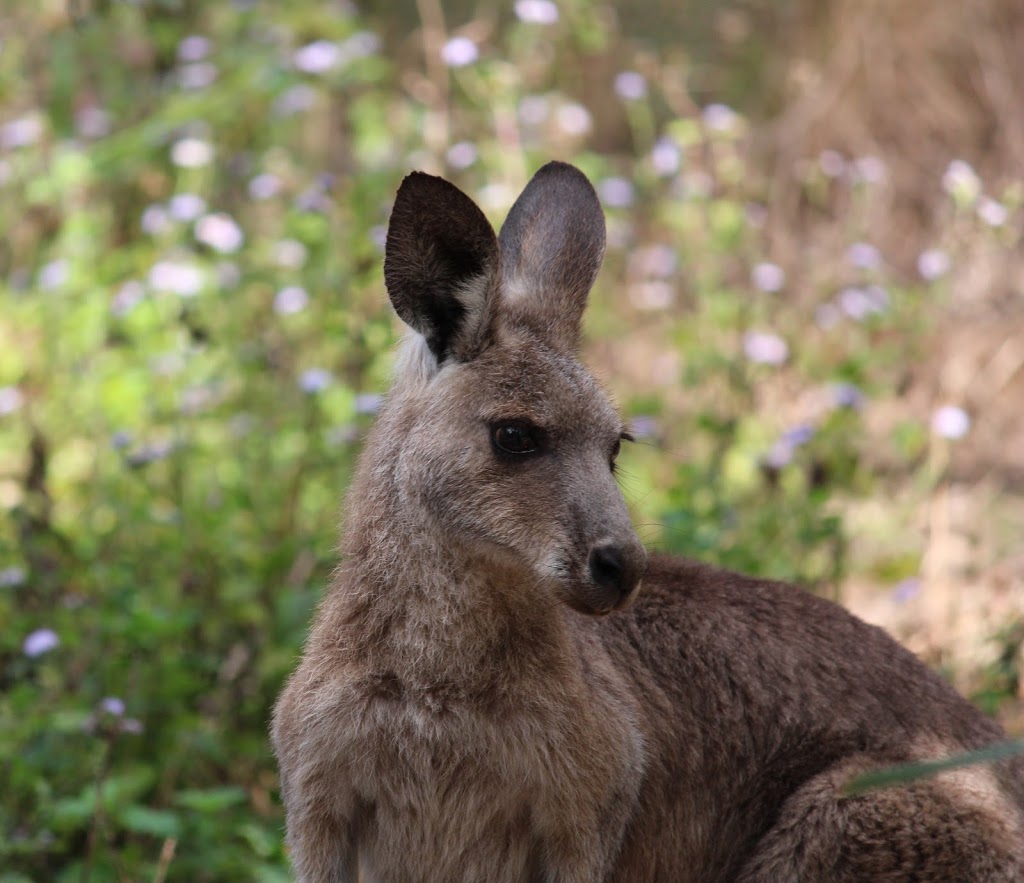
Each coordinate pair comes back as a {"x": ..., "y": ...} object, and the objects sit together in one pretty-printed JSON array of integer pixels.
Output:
[{"x": 480, "y": 698}]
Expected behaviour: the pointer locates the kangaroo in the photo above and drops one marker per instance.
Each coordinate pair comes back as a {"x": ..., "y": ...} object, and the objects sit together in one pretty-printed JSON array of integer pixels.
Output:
[{"x": 488, "y": 695}]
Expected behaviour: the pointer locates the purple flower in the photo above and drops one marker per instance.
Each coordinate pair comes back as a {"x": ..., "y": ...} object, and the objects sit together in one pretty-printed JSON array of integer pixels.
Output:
[
  {"x": 462, "y": 155},
  {"x": 315, "y": 380},
  {"x": 368, "y": 402},
  {"x": 631, "y": 86},
  {"x": 299, "y": 98},
  {"x": 933, "y": 263},
  {"x": 264, "y": 186},
  {"x": 616, "y": 192},
  {"x": 459, "y": 52},
  {"x": 864, "y": 256},
  {"x": 768, "y": 277},
  {"x": 113, "y": 706},
  {"x": 154, "y": 220},
  {"x": 317, "y": 57},
  {"x": 39, "y": 642},
  {"x": 186, "y": 207},
  {"x": 951, "y": 422},
  {"x": 179, "y": 277},
  {"x": 574, "y": 119},
  {"x": 765, "y": 348},
  {"x": 847, "y": 395},
  {"x": 859, "y": 303},
  {"x": 191, "y": 153},
  {"x": 869, "y": 170},
  {"x": 195, "y": 77},
  {"x": 53, "y": 275},
  {"x": 666, "y": 157},
  {"x": 961, "y": 182},
  {"x": 832, "y": 164},
  {"x": 22, "y": 132},
  {"x": 220, "y": 232},
  {"x": 11, "y": 399},
  {"x": 536, "y": 12},
  {"x": 290, "y": 300},
  {"x": 992, "y": 212},
  {"x": 906, "y": 590},
  {"x": 193, "y": 48},
  {"x": 534, "y": 109},
  {"x": 92, "y": 122},
  {"x": 12, "y": 576},
  {"x": 290, "y": 253},
  {"x": 719, "y": 117}
]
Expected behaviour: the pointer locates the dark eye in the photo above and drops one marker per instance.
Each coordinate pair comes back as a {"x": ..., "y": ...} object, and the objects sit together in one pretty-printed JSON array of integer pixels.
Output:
[
  {"x": 616, "y": 448},
  {"x": 516, "y": 438}
]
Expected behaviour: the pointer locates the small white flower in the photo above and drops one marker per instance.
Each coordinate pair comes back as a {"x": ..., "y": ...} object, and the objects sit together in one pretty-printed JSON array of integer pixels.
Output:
[
  {"x": 933, "y": 263},
  {"x": 193, "y": 48},
  {"x": 289, "y": 300},
  {"x": 536, "y": 12},
  {"x": 315, "y": 380},
  {"x": 459, "y": 52},
  {"x": 11, "y": 399},
  {"x": 631, "y": 86},
  {"x": 961, "y": 182},
  {"x": 290, "y": 253},
  {"x": 951, "y": 422},
  {"x": 264, "y": 186},
  {"x": 220, "y": 232},
  {"x": 178, "y": 277},
  {"x": 574, "y": 119},
  {"x": 39, "y": 642},
  {"x": 992, "y": 212},
  {"x": 616, "y": 192},
  {"x": 462, "y": 155},
  {"x": 765, "y": 348},
  {"x": 768, "y": 277},
  {"x": 666, "y": 157},
  {"x": 317, "y": 57},
  {"x": 186, "y": 207},
  {"x": 719, "y": 117},
  {"x": 191, "y": 153}
]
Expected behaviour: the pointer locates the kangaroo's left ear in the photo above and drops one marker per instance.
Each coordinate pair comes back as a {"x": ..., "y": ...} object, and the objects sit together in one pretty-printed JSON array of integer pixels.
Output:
[
  {"x": 441, "y": 266},
  {"x": 552, "y": 244}
]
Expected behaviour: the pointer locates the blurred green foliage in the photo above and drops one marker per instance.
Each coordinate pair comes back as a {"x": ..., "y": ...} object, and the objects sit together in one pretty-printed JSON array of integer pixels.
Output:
[{"x": 194, "y": 336}]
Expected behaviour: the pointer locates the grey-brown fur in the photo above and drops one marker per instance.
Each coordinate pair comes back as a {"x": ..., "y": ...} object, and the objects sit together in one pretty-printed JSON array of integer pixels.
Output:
[{"x": 462, "y": 711}]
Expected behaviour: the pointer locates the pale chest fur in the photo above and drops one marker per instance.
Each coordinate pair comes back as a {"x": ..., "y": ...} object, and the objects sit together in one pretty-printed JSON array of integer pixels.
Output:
[{"x": 510, "y": 786}]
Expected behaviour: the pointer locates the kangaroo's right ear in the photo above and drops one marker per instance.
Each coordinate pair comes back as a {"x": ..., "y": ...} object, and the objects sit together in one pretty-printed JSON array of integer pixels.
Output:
[{"x": 441, "y": 265}]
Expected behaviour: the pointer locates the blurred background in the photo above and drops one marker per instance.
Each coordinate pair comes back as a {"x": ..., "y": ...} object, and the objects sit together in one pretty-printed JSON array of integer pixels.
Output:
[{"x": 811, "y": 310}]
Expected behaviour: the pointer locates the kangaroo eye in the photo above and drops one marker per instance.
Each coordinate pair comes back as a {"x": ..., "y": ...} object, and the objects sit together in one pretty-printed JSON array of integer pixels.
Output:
[
  {"x": 515, "y": 438},
  {"x": 616, "y": 448}
]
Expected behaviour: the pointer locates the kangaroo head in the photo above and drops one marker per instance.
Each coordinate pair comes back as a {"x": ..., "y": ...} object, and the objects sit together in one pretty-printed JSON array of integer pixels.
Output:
[{"x": 501, "y": 440}]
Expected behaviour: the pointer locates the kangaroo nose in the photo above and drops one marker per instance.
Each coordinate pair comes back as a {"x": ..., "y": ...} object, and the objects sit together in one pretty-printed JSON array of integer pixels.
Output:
[{"x": 608, "y": 568}]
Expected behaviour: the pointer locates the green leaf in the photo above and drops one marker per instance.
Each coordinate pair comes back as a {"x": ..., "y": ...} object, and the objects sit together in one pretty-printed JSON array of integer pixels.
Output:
[
  {"x": 901, "y": 774},
  {"x": 156, "y": 822},
  {"x": 210, "y": 800}
]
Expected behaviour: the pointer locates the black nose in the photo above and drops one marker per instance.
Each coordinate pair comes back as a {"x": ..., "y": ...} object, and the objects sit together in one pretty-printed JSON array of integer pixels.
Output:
[{"x": 608, "y": 568}]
